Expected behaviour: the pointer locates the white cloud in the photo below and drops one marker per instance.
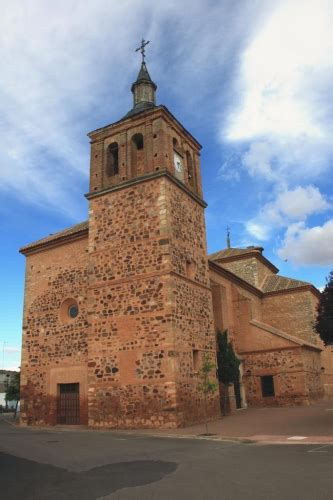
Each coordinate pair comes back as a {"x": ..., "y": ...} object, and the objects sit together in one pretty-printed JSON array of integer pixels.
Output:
[
  {"x": 284, "y": 121},
  {"x": 290, "y": 205},
  {"x": 284, "y": 160},
  {"x": 11, "y": 349},
  {"x": 45, "y": 88},
  {"x": 301, "y": 202},
  {"x": 304, "y": 245},
  {"x": 260, "y": 230},
  {"x": 286, "y": 80},
  {"x": 278, "y": 70},
  {"x": 228, "y": 170},
  {"x": 258, "y": 161},
  {"x": 58, "y": 77},
  {"x": 68, "y": 65}
]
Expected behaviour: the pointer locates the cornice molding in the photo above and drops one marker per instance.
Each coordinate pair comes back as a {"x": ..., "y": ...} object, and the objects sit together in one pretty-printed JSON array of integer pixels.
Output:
[
  {"x": 127, "y": 123},
  {"x": 146, "y": 178},
  {"x": 62, "y": 240},
  {"x": 305, "y": 288}
]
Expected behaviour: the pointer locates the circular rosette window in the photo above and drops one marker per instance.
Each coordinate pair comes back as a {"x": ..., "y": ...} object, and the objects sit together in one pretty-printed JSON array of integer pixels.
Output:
[{"x": 69, "y": 310}]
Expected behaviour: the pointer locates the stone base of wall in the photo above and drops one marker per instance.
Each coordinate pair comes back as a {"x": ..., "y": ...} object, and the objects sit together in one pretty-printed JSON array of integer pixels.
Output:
[
  {"x": 169, "y": 418},
  {"x": 328, "y": 391},
  {"x": 45, "y": 412},
  {"x": 227, "y": 399},
  {"x": 280, "y": 401},
  {"x": 157, "y": 422}
]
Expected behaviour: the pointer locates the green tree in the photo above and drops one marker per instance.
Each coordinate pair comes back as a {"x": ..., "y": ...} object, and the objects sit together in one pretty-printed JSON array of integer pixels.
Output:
[
  {"x": 227, "y": 366},
  {"x": 206, "y": 386},
  {"x": 227, "y": 361},
  {"x": 13, "y": 390},
  {"x": 324, "y": 321}
]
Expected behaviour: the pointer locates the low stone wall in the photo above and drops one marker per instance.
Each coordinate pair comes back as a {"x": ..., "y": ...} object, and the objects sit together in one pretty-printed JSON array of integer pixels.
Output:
[{"x": 295, "y": 381}]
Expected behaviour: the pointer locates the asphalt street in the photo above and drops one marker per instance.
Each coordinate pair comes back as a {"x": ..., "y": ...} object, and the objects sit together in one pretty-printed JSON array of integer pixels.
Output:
[{"x": 86, "y": 465}]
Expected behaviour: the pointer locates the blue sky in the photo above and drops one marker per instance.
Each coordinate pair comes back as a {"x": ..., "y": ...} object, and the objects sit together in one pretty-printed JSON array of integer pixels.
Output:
[{"x": 252, "y": 81}]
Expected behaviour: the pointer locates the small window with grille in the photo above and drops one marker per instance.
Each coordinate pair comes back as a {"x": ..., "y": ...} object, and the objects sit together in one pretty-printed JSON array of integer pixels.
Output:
[{"x": 267, "y": 386}]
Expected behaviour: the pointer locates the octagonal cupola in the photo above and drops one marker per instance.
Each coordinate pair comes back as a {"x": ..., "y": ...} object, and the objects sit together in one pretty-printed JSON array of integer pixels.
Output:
[{"x": 143, "y": 89}]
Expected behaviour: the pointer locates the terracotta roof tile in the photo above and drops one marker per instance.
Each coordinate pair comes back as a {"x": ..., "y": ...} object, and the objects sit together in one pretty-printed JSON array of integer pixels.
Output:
[
  {"x": 234, "y": 252},
  {"x": 70, "y": 231},
  {"x": 274, "y": 283}
]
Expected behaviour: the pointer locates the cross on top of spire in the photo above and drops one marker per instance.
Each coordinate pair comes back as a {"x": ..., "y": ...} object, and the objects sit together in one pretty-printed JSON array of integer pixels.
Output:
[{"x": 142, "y": 48}]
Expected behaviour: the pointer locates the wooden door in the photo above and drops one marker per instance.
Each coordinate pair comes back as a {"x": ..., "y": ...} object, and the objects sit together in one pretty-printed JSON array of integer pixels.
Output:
[{"x": 68, "y": 407}]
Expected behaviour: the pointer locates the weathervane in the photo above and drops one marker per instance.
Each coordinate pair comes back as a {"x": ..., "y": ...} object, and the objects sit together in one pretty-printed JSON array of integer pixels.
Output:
[{"x": 142, "y": 49}]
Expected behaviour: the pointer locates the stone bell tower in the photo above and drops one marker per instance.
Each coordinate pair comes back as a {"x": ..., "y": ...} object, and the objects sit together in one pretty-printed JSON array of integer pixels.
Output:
[{"x": 150, "y": 305}]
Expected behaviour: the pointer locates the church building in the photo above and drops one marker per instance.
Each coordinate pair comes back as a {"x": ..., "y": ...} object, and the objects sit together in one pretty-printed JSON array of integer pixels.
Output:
[{"x": 120, "y": 310}]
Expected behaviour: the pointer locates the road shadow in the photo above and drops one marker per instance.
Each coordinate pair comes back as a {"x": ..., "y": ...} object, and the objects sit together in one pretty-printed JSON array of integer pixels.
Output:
[{"x": 21, "y": 478}]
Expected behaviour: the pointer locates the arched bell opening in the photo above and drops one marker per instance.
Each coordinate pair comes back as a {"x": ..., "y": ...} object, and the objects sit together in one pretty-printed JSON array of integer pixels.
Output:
[{"x": 137, "y": 157}]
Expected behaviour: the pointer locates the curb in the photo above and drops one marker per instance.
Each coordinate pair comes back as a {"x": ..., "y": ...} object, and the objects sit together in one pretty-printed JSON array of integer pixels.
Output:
[{"x": 265, "y": 440}]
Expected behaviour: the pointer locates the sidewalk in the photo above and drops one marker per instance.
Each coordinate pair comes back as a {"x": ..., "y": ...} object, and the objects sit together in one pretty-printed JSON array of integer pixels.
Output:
[{"x": 301, "y": 424}]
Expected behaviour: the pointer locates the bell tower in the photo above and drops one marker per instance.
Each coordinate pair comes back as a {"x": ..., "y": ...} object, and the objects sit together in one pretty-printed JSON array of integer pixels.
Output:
[{"x": 150, "y": 302}]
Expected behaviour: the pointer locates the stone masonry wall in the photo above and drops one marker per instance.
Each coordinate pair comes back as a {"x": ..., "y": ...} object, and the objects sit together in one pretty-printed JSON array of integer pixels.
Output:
[
  {"x": 192, "y": 302},
  {"x": 312, "y": 366},
  {"x": 133, "y": 356},
  {"x": 293, "y": 312},
  {"x": 296, "y": 375},
  {"x": 129, "y": 368},
  {"x": 234, "y": 307},
  {"x": 287, "y": 368},
  {"x": 327, "y": 370},
  {"x": 297, "y": 372},
  {"x": 53, "y": 344}
]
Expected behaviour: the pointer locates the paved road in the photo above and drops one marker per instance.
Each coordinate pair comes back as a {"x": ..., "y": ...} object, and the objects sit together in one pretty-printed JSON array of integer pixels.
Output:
[{"x": 87, "y": 465}]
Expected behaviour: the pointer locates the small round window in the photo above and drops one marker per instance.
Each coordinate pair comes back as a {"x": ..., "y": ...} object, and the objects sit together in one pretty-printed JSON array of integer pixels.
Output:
[
  {"x": 73, "y": 311},
  {"x": 69, "y": 310}
]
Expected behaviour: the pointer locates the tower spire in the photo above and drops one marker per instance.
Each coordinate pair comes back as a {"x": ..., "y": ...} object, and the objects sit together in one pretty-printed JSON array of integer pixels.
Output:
[{"x": 143, "y": 89}]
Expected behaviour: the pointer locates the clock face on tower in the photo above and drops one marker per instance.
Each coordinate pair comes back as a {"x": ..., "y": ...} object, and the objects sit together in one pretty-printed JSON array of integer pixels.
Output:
[{"x": 178, "y": 162}]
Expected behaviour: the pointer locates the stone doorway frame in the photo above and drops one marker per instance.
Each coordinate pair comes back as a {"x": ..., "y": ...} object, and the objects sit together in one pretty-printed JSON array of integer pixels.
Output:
[{"x": 66, "y": 375}]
